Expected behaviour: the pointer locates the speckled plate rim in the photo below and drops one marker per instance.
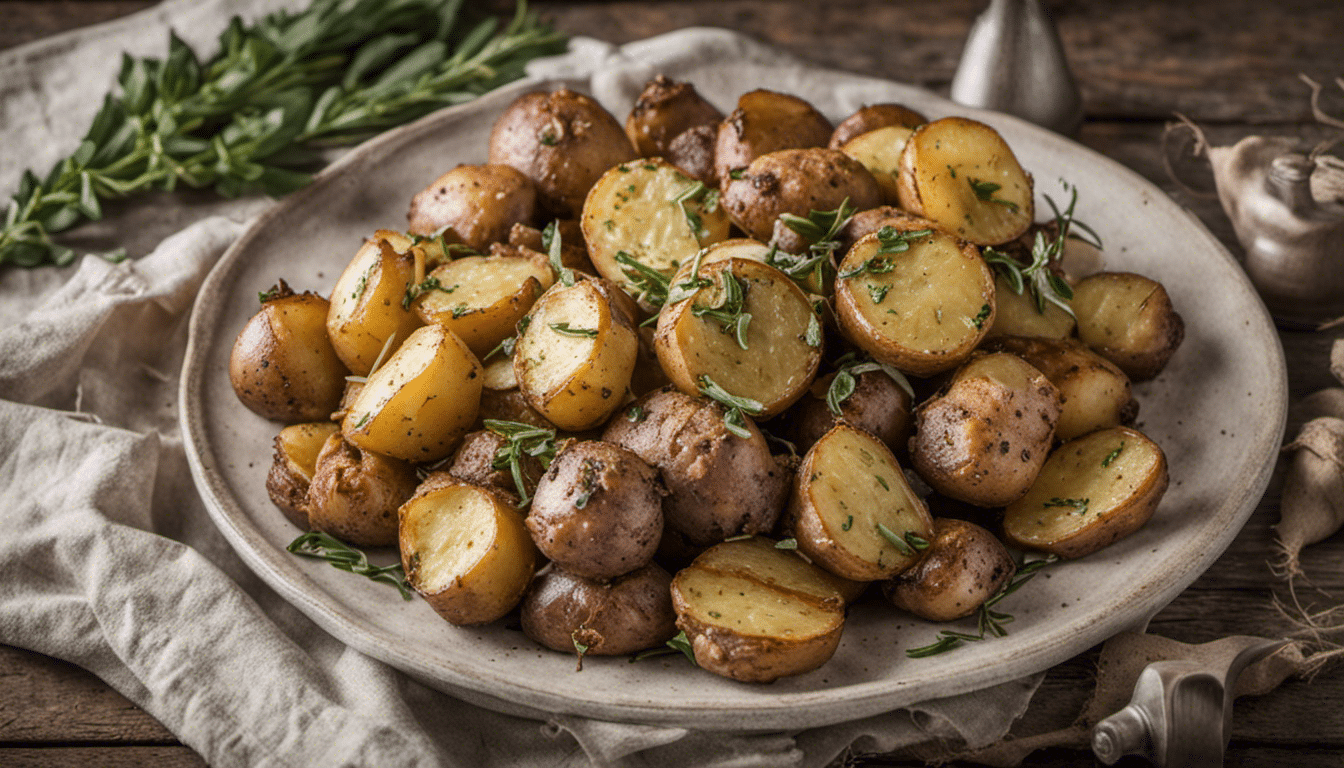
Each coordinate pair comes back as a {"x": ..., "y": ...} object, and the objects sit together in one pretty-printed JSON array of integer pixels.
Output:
[{"x": 663, "y": 694}]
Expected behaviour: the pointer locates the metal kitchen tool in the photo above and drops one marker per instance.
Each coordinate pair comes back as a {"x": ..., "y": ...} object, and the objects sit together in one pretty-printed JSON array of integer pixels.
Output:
[
  {"x": 1181, "y": 713},
  {"x": 1014, "y": 62}
]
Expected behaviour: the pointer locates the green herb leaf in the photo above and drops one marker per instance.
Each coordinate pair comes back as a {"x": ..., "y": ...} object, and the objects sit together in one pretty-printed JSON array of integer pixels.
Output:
[
  {"x": 984, "y": 191},
  {"x": 564, "y": 330},
  {"x": 322, "y": 546},
  {"x": 729, "y": 309},
  {"x": 522, "y": 440},
  {"x": 1113, "y": 455}
]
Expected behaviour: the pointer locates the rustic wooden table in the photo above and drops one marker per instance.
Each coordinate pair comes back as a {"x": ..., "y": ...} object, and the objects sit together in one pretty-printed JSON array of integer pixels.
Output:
[{"x": 1230, "y": 65}]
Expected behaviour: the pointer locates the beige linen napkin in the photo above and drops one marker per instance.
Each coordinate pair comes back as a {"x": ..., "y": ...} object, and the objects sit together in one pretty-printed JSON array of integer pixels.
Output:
[{"x": 109, "y": 559}]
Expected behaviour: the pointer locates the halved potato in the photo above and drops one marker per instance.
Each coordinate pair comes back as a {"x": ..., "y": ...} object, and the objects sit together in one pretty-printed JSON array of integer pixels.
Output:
[
  {"x": 758, "y": 617},
  {"x": 964, "y": 566},
  {"x": 368, "y": 304},
  {"x": 984, "y": 440},
  {"x": 654, "y": 214},
  {"x": 1016, "y": 314},
  {"x": 575, "y": 358},
  {"x": 749, "y": 330},
  {"x": 852, "y": 510},
  {"x": 482, "y": 298},
  {"x": 465, "y": 550},
  {"x": 872, "y": 117},
  {"x": 880, "y": 152},
  {"x": 420, "y": 403},
  {"x": 292, "y": 467},
  {"x": 1091, "y": 492},
  {"x": 1093, "y": 392},
  {"x": 354, "y": 493},
  {"x": 922, "y": 310},
  {"x": 961, "y": 174},
  {"x": 1128, "y": 319},
  {"x": 282, "y": 365}
]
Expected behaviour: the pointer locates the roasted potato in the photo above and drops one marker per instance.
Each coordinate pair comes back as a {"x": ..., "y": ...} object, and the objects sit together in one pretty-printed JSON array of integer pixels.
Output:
[
  {"x": 465, "y": 549},
  {"x": 964, "y": 566},
  {"x": 629, "y": 613},
  {"x": 573, "y": 251},
  {"x": 852, "y": 511},
  {"x": 597, "y": 511},
  {"x": 872, "y": 117},
  {"x": 961, "y": 174},
  {"x": 575, "y": 358},
  {"x": 880, "y": 151},
  {"x": 1128, "y": 319},
  {"x": 1017, "y": 314},
  {"x": 1092, "y": 491},
  {"x": 664, "y": 110},
  {"x": 563, "y": 141},
  {"x": 292, "y": 466},
  {"x": 797, "y": 182},
  {"x": 474, "y": 204},
  {"x": 756, "y": 613},
  {"x": 719, "y": 485},
  {"x": 876, "y": 404},
  {"x": 873, "y": 220},
  {"x": 282, "y": 365},
  {"x": 354, "y": 494},
  {"x": 692, "y": 151},
  {"x": 765, "y": 121},
  {"x": 419, "y": 404},
  {"x": 482, "y": 298},
  {"x": 984, "y": 440},
  {"x": 368, "y": 304},
  {"x": 922, "y": 310},
  {"x": 1093, "y": 392},
  {"x": 475, "y": 462},
  {"x": 707, "y": 340}
]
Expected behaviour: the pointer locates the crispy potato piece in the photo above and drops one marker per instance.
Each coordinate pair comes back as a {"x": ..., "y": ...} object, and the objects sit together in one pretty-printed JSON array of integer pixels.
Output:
[
  {"x": 877, "y": 405},
  {"x": 664, "y": 110},
  {"x": 923, "y": 310},
  {"x": 654, "y": 214},
  {"x": 1128, "y": 319},
  {"x": 961, "y": 174},
  {"x": 292, "y": 466},
  {"x": 852, "y": 511},
  {"x": 563, "y": 141},
  {"x": 755, "y": 613},
  {"x": 704, "y": 338},
  {"x": 797, "y": 182},
  {"x": 282, "y": 365},
  {"x": 597, "y": 511},
  {"x": 354, "y": 494},
  {"x": 474, "y": 204},
  {"x": 572, "y": 614},
  {"x": 465, "y": 550},
  {"x": 575, "y": 358},
  {"x": 1093, "y": 392},
  {"x": 420, "y": 403},
  {"x": 880, "y": 152},
  {"x": 766, "y": 121},
  {"x": 1016, "y": 314},
  {"x": 871, "y": 117},
  {"x": 368, "y": 303},
  {"x": 1092, "y": 491},
  {"x": 964, "y": 566},
  {"x": 984, "y": 440},
  {"x": 482, "y": 298}
]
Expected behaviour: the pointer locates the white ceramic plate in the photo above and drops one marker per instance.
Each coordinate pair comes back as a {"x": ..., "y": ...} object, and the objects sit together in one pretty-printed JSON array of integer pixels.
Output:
[{"x": 1218, "y": 412}]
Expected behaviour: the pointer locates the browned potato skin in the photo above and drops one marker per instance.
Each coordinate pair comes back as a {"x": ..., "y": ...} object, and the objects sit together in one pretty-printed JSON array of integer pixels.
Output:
[
  {"x": 796, "y": 181},
  {"x": 1064, "y": 361},
  {"x": 874, "y": 116},
  {"x": 292, "y": 468},
  {"x": 597, "y": 511},
  {"x": 981, "y": 444},
  {"x": 964, "y": 566},
  {"x": 766, "y": 121},
  {"x": 354, "y": 494},
  {"x": 878, "y": 406},
  {"x": 563, "y": 141},
  {"x": 474, "y": 204},
  {"x": 1145, "y": 357},
  {"x": 573, "y": 250},
  {"x": 718, "y": 484},
  {"x": 873, "y": 220},
  {"x": 509, "y": 405},
  {"x": 474, "y": 461},
  {"x": 665, "y": 109},
  {"x": 692, "y": 152},
  {"x": 627, "y": 614},
  {"x": 282, "y": 365}
]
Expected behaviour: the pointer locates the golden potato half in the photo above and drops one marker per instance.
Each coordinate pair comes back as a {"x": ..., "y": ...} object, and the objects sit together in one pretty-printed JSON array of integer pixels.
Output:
[
  {"x": 1091, "y": 492},
  {"x": 748, "y": 329},
  {"x": 465, "y": 550},
  {"x": 852, "y": 510},
  {"x": 482, "y": 298},
  {"x": 880, "y": 152},
  {"x": 292, "y": 466},
  {"x": 922, "y": 309},
  {"x": 1093, "y": 392},
  {"x": 962, "y": 174},
  {"x": 1128, "y": 319},
  {"x": 419, "y": 403},
  {"x": 368, "y": 304},
  {"x": 1016, "y": 314}
]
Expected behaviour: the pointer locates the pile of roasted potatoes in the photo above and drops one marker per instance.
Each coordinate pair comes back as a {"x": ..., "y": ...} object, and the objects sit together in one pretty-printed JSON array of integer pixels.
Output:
[{"x": 716, "y": 375}]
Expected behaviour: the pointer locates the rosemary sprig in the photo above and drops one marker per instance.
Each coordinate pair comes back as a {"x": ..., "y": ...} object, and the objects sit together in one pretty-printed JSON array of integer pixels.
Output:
[
  {"x": 728, "y": 310},
  {"x": 678, "y": 644},
  {"x": 550, "y": 240},
  {"x": 522, "y": 440},
  {"x": 321, "y": 546},
  {"x": 984, "y": 191},
  {"x": 651, "y": 284},
  {"x": 733, "y": 418},
  {"x": 848, "y": 367},
  {"x": 814, "y": 270},
  {"x": 1037, "y": 278},
  {"x": 695, "y": 200},
  {"x": 255, "y": 116},
  {"x": 988, "y": 620}
]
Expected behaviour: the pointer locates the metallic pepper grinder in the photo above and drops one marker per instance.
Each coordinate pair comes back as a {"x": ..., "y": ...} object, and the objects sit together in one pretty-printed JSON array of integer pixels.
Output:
[{"x": 1014, "y": 62}]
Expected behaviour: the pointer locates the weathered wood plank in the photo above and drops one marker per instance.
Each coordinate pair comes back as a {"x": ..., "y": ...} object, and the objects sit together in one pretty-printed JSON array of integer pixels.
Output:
[
  {"x": 22, "y": 22},
  {"x": 122, "y": 757}
]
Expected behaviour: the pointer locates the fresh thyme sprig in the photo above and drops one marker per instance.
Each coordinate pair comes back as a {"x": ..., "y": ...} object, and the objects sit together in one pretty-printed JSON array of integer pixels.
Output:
[
  {"x": 678, "y": 644},
  {"x": 255, "y": 116},
  {"x": 988, "y": 620},
  {"x": 1042, "y": 283},
  {"x": 733, "y": 418},
  {"x": 322, "y": 546},
  {"x": 848, "y": 367},
  {"x": 522, "y": 440}
]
